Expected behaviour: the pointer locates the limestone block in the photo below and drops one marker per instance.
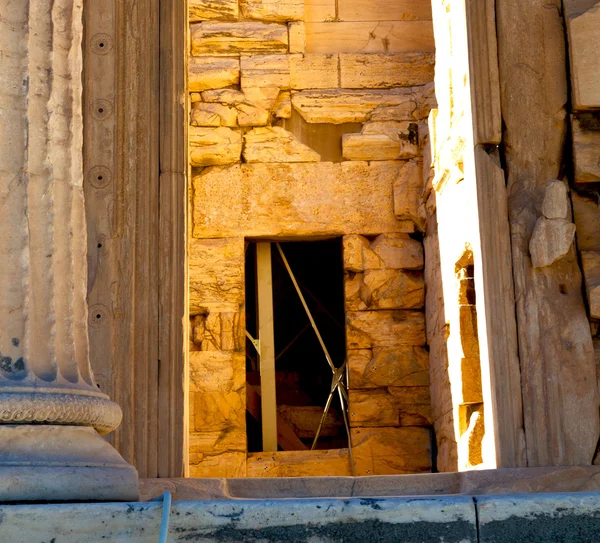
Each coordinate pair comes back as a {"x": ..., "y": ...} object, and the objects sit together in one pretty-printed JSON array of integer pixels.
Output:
[
  {"x": 329, "y": 463},
  {"x": 394, "y": 129},
  {"x": 297, "y": 37},
  {"x": 282, "y": 108},
  {"x": 382, "y": 71},
  {"x": 216, "y": 270},
  {"x": 251, "y": 115},
  {"x": 384, "y": 289},
  {"x": 447, "y": 458},
  {"x": 210, "y": 146},
  {"x": 195, "y": 97},
  {"x": 407, "y": 194},
  {"x": 402, "y": 366},
  {"x": 215, "y": 371},
  {"x": 273, "y": 10},
  {"x": 584, "y": 43},
  {"x": 274, "y": 144},
  {"x": 397, "y": 406},
  {"x": 314, "y": 71},
  {"x": 316, "y": 11},
  {"x": 383, "y": 10},
  {"x": 305, "y": 420},
  {"x": 377, "y": 147},
  {"x": 586, "y": 212},
  {"x": 551, "y": 240},
  {"x": 350, "y": 106},
  {"x": 248, "y": 114},
  {"x": 215, "y": 38},
  {"x": 219, "y": 411},
  {"x": 224, "y": 465},
  {"x": 262, "y": 97},
  {"x": 217, "y": 330},
  {"x": 212, "y": 73},
  {"x": 387, "y": 251},
  {"x": 387, "y": 328},
  {"x": 213, "y": 114},
  {"x": 586, "y": 147},
  {"x": 225, "y": 96},
  {"x": 590, "y": 261},
  {"x": 366, "y": 37},
  {"x": 556, "y": 200},
  {"x": 202, "y": 10},
  {"x": 260, "y": 71},
  {"x": 307, "y": 199},
  {"x": 395, "y": 113},
  {"x": 388, "y": 451}
]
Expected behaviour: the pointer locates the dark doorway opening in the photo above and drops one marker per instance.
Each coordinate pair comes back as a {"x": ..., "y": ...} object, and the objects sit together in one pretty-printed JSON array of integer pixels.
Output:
[{"x": 303, "y": 376}]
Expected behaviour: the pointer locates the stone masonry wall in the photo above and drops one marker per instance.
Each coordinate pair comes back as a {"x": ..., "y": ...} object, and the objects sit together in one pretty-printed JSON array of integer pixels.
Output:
[{"x": 308, "y": 121}]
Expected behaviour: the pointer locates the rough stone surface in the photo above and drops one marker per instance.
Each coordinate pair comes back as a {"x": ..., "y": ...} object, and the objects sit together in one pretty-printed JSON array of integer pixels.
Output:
[
  {"x": 377, "y": 147},
  {"x": 212, "y": 73},
  {"x": 388, "y": 328},
  {"x": 297, "y": 37},
  {"x": 211, "y": 114},
  {"x": 263, "y": 71},
  {"x": 373, "y": 71},
  {"x": 384, "y": 289},
  {"x": 407, "y": 194},
  {"x": 308, "y": 199},
  {"x": 389, "y": 407},
  {"x": 551, "y": 240},
  {"x": 402, "y": 366},
  {"x": 273, "y": 10},
  {"x": 210, "y": 146},
  {"x": 274, "y": 144},
  {"x": 202, "y": 10},
  {"x": 556, "y": 200},
  {"x": 314, "y": 71},
  {"x": 215, "y": 38},
  {"x": 387, "y": 251},
  {"x": 590, "y": 261}
]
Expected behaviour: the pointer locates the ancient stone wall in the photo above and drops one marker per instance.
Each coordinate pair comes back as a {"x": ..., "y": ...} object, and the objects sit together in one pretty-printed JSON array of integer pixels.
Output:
[{"x": 308, "y": 121}]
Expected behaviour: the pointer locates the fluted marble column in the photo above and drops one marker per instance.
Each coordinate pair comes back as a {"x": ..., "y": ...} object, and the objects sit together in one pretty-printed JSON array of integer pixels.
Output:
[{"x": 51, "y": 411}]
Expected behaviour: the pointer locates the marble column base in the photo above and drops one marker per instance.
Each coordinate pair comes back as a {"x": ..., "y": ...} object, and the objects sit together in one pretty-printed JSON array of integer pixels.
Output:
[{"x": 43, "y": 463}]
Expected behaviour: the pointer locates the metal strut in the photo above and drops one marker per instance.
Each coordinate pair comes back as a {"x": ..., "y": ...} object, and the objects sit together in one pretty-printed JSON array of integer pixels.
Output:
[{"x": 338, "y": 373}]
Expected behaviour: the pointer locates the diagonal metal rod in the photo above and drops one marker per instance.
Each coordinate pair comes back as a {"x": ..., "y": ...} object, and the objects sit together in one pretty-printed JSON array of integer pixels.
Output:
[{"x": 338, "y": 381}]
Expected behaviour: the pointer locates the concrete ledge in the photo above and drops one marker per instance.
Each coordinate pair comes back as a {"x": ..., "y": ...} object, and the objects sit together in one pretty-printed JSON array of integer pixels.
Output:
[
  {"x": 452, "y": 519},
  {"x": 500, "y": 481}
]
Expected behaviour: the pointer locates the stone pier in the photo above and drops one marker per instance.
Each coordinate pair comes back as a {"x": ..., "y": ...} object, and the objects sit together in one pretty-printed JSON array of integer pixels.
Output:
[{"x": 51, "y": 411}]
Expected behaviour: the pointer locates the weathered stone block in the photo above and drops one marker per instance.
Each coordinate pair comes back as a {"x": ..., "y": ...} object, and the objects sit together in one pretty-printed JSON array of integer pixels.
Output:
[
  {"x": 215, "y": 371},
  {"x": 202, "y": 10},
  {"x": 350, "y": 106},
  {"x": 382, "y": 71},
  {"x": 584, "y": 43},
  {"x": 387, "y": 451},
  {"x": 305, "y": 420},
  {"x": 248, "y": 113},
  {"x": 387, "y": 328},
  {"x": 307, "y": 199},
  {"x": 377, "y": 147},
  {"x": 586, "y": 211},
  {"x": 260, "y": 71},
  {"x": 591, "y": 271},
  {"x": 319, "y": 10},
  {"x": 216, "y": 269},
  {"x": 219, "y": 331},
  {"x": 402, "y": 366},
  {"x": 586, "y": 142},
  {"x": 297, "y": 37},
  {"x": 211, "y": 146},
  {"x": 550, "y": 241},
  {"x": 407, "y": 194},
  {"x": 387, "y": 251},
  {"x": 398, "y": 406},
  {"x": 213, "y": 114},
  {"x": 274, "y": 144},
  {"x": 282, "y": 108},
  {"x": 556, "y": 200},
  {"x": 213, "y": 38},
  {"x": 384, "y": 289},
  {"x": 314, "y": 71},
  {"x": 212, "y": 73},
  {"x": 383, "y": 10},
  {"x": 334, "y": 462},
  {"x": 273, "y": 10}
]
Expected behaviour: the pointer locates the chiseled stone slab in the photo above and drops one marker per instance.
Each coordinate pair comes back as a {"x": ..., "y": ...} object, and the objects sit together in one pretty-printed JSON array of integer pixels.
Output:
[
  {"x": 213, "y": 114},
  {"x": 382, "y": 71},
  {"x": 384, "y": 289},
  {"x": 387, "y": 451},
  {"x": 408, "y": 204},
  {"x": 584, "y": 43},
  {"x": 377, "y": 147},
  {"x": 389, "y": 407},
  {"x": 273, "y": 10},
  {"x": 387, "y": 251},
  {"x": 265, "y": 71},
  {"x": 314, "y": 71},
  {"x": 215, "y": 38},
  {"x": 202, "y": 10},
  {"x": 216, "y": 268},
  {"x": 297, "y": 37},
  {"x": 210, "y": 146},
  {"x": 387, "y": 328},
  {"x": 274, "y": 144},
  {"x": 306, "y": 199},
  {"x": 350, "y": 106},
  {"x": 591, "y": 272},
  {"x": 402, "y": 366},
  {"x": 334, "y": 462},
  {"x": 586, "y": 142},
  {"x": 212, "y": 73}
]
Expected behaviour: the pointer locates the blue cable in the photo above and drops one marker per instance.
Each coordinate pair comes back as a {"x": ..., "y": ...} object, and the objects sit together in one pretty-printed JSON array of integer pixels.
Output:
[{"x": 166, "y": 513}]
